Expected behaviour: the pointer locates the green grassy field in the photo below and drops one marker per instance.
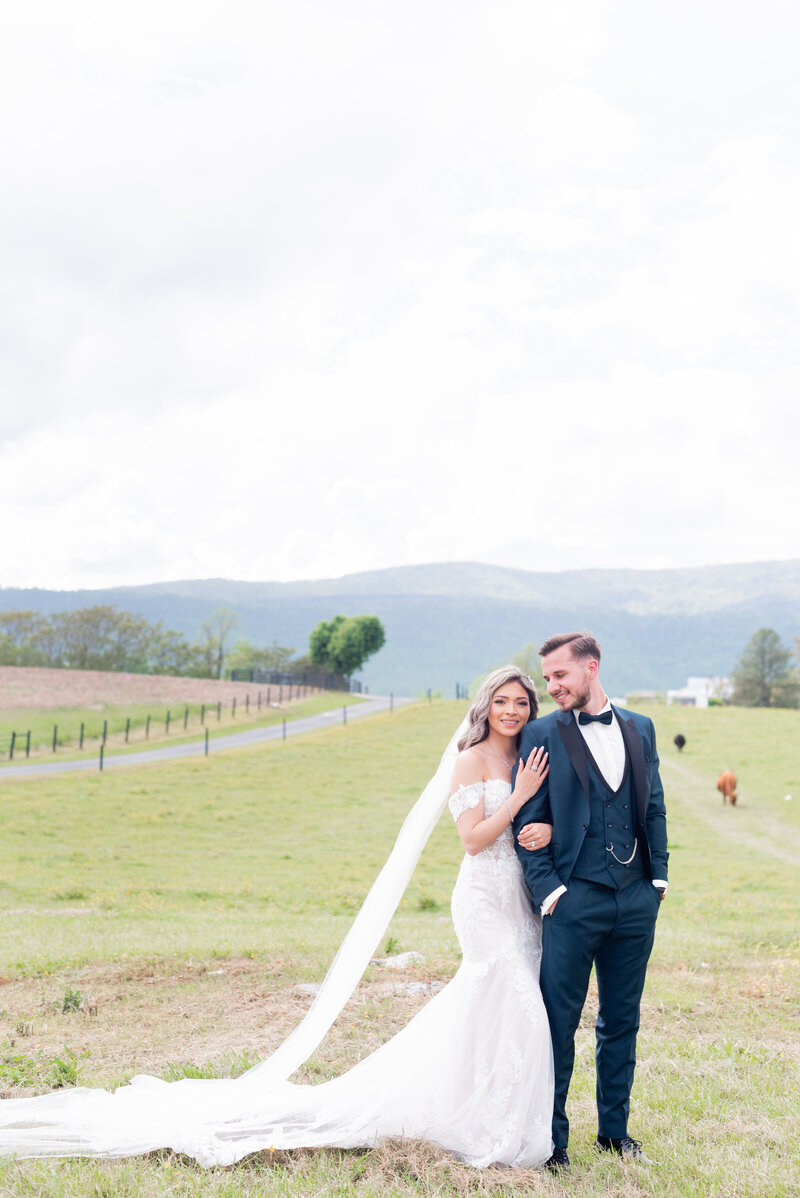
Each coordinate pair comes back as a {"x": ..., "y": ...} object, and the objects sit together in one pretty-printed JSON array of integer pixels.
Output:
[
  {"x": 127, "y": 728},
  {"x": 161, "y": 919}
]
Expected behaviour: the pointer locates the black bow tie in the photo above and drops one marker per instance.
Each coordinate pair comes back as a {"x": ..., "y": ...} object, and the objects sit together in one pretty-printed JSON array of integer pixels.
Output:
[{"x": 605, "y": 717}]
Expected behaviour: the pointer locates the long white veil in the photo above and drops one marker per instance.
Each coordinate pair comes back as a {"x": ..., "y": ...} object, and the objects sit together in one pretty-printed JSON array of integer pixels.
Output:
[
  {"x": 187, "y": 1115},
  {"x": 368, "y": 926}
]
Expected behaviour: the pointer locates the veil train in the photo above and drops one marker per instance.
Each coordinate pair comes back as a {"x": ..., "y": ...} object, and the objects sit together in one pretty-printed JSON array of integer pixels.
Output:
[{"x": 189, "y": 1115}]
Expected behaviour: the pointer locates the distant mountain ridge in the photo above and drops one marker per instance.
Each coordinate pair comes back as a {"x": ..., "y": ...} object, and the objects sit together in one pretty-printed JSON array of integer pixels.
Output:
[
  {"x": 697, "y": 588},
  {"x": 448, "y": 622}
]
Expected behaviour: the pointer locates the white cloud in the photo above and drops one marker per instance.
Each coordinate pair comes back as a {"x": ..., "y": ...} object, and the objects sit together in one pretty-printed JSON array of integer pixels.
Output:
[{"x": 301, "y": 290}]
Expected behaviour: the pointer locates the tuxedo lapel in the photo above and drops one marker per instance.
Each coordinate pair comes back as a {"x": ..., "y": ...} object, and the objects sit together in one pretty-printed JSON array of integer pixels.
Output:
[
  {"x": 573, "y": 743},
  {"x": 633, "y": 744}
]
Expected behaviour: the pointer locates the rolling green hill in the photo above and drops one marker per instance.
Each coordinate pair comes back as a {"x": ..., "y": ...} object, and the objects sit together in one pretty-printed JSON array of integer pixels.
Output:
[{"x": 448, "y": 622}]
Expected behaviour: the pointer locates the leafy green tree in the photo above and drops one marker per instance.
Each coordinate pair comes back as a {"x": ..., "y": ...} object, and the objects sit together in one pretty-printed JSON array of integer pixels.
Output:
[
  {"x": 763, "y": 677},
  {"x": 172, "y": 653},
  {"x": 89, "y": 638},
  {"x": 528, "y": 661},
  {"x": 343, "y": 644},
  {"x": 320, "y": 639},
  {"x": 353, "y": 642},
  {"x": 245, "y": 656},
  {"x": 49, "y": 640},
  {"x": 19, "y": 632},
  {"x": 102, "y": 638}
]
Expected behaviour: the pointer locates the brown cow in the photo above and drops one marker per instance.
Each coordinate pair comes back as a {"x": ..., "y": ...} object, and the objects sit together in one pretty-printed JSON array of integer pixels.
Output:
[{"x": 726, "y": 785}]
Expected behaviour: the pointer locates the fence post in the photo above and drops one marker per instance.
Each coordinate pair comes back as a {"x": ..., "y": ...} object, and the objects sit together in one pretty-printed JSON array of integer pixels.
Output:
[
  {"x": 102, "y": 750},
  {"x": 11, "y": 749},
  {"x": 219, "y": 711},
  {"x": 166, "y": 724},
  {"x": 206, "y": 742},
  {"x": 259, "y": 700},
  {"x": 186, "y": 718},
  {"x": 55, "y": 736},
  {"x": 247, "y": 703},
  {"x": 105, "y": 731},
  {"x": 147, "y": 728},
  {"x": 127, "y": 729},
  {"x": 28, "y": 744},
  {"x": 80, "y": 742},
  {"x": 284, "y": 727},
  {"x": 269, "y": 692},
  {"x": 233, "y": 708}
]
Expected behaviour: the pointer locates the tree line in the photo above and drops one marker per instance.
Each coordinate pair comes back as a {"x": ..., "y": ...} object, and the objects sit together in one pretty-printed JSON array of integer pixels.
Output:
[
  {"x": 104, "y": 638},
  {"x": 100, "y": 638}
]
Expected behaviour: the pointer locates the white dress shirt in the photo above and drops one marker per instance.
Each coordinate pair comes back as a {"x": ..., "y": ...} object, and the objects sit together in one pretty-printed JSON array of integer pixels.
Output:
[{"x": 606, "y": 746}]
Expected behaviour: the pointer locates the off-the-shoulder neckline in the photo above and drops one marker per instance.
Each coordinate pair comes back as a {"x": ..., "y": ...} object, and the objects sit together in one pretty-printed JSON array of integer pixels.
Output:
[{"x": 482, "y": 782}]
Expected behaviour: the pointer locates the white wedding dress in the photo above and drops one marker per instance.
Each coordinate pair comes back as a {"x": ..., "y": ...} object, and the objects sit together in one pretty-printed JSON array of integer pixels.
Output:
[{"x": 471, "y": 1072}]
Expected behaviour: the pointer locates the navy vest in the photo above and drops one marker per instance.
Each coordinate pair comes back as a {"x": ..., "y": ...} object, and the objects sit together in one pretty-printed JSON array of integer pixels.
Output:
[{"x": 612, "y": 823}]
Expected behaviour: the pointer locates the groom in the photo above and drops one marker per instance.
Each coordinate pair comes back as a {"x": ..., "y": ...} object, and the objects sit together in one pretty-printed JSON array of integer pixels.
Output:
[{"x": 600, "y": 881}]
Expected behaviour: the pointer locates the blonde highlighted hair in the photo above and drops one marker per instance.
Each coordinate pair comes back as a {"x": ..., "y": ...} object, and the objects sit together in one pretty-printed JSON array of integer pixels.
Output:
[{"x": 478, "y": 714}]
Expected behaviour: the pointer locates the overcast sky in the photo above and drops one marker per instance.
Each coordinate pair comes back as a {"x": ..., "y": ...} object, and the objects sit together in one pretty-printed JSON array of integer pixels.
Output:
[{"x": 290, "y": 290}]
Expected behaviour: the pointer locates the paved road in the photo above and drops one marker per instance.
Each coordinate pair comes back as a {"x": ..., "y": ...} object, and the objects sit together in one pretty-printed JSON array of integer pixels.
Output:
[{"x": 234, "y": 740}]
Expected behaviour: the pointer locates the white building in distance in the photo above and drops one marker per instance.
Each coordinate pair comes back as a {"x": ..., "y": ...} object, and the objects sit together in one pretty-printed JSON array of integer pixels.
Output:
[{"x": 698, "y": 691}]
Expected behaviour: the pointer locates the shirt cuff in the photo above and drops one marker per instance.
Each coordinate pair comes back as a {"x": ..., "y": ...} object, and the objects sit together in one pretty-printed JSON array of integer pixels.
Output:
[
  {"x": 551, "y": 898},
  {"x": 660, "y": 884}
]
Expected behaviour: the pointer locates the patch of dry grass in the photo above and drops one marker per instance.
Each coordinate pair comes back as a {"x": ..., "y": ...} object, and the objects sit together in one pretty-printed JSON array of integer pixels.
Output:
[
  {"x": 23, "y": 687},
  {"x": 146, "y": 1016}
]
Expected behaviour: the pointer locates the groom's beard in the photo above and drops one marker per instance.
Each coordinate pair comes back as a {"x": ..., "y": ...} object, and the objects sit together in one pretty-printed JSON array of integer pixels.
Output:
[{"x": 570, "y": 702}]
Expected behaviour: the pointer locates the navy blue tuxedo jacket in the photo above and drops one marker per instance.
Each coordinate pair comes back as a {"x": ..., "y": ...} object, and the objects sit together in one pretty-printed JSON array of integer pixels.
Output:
[{"x": 563, "y": 799}]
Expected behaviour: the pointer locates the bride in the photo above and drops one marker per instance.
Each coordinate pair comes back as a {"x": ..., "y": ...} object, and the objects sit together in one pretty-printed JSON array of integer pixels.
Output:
[{"x": 472, "y": 1072}]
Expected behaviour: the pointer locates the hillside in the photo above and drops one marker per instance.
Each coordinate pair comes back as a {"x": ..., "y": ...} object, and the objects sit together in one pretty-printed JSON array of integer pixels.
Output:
[{"x": 449, "y": 622}]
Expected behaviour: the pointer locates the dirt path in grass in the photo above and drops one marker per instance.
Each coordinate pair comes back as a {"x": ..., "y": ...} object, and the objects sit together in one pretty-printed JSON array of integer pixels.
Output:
[{"x": 748, "y": 821}]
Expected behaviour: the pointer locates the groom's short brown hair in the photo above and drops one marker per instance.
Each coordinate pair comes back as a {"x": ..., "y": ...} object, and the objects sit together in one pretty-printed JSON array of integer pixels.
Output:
[{"x": 582, "y": 645}]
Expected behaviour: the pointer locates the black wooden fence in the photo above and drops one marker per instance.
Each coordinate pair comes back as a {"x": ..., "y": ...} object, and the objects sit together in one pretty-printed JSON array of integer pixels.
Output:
[
  {"x": 319, "y": 679},
  {"x": 15, "y": 742},
  {"x": 275, "y": 694}
]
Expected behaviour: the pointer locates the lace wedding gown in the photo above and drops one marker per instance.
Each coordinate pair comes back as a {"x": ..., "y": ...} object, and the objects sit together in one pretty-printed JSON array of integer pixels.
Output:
[{"x": 472, "y": 1071}]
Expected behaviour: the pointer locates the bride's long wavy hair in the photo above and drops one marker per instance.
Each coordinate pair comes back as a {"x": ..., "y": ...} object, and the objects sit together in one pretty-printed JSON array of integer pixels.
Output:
[{"x": 478, "y": 714}]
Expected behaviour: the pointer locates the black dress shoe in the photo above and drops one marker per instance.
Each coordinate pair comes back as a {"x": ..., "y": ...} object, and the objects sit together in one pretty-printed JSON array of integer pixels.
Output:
[
  {"x": 558, "y": 1162},
  {"x": 624, "y": 1146}
]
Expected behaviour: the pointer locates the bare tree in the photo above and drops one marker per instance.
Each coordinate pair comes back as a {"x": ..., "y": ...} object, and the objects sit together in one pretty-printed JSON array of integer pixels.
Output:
[{"x": 217, "y": 631}]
